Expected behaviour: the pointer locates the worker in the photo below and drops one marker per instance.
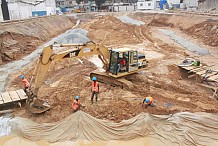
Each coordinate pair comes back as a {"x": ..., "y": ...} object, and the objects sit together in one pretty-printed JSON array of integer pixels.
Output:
[
  {"x": 148, "y": 101},
  {"x": 76, "y": 104},
  {"x": 25, "y": 83},
  {"x": 95, "y": 89},
  {"x": 121, "y": 64}
]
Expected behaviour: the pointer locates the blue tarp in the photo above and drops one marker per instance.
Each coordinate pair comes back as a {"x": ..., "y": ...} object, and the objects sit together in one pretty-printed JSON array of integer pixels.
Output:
[
  {"x": 162, "y": 2},
  {"x": 39, "y": 13}
]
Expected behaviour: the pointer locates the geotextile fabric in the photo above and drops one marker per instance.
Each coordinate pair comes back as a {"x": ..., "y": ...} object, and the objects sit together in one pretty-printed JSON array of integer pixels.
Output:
[{"x": 178, "y": 129}]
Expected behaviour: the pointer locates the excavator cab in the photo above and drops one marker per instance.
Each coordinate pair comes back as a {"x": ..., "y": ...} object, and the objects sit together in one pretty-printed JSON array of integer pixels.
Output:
[{"x": 124, "y": 61}]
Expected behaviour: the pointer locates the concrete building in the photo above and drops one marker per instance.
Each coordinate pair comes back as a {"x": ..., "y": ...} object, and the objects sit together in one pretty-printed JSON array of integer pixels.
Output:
[
  {"x": 65, "y": 3},
  {"x": 173, "y": 3},
  {"x": 50, "y": 7},
  {"x": 119, "y": 7},
  {"x": 19, "y": 10},
  {"x": 191, "y": 4},
  {"x": 24, "y": 9},
  {"x": 146, "y": 4},
  {"x": 208, "y": 5},
  {"x": 124, "y": 1}
]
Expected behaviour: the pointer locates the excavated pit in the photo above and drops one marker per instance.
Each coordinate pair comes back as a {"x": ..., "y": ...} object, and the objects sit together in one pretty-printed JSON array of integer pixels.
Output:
[{"x": 162, "y": 79}]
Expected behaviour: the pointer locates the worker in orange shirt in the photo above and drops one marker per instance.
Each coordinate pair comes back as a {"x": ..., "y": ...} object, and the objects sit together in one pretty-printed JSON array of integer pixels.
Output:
[
  {"x": 76, "y": 104},
  {"x": 148, "y": 101},
  {"x": 25, "y": 83},
  {"x": 95, "y": 89}
]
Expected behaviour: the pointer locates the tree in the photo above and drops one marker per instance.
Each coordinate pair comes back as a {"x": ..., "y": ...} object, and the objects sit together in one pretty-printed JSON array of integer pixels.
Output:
[
  {"x": 99, "y": 3},
  {"x": 78, "y": 1}
]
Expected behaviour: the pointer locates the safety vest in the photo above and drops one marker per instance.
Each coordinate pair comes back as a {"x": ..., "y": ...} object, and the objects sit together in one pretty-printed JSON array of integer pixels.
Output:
[
  {"x": 75, "y": 104},
  {"x": 25, "y": 83},
  {"x": 151, "y": 100},
  {"x": 123, "y": 62},
  {"x": 95, "y": 86}
]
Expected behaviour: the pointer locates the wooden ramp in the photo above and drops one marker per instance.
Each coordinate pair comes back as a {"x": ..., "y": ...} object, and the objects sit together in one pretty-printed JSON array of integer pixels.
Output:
[
  {"x": 203, "y": 74},
  {"x": 12, "y": 96}
]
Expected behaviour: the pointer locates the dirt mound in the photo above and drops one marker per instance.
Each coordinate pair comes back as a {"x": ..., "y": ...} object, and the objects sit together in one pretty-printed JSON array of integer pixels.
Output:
[
  {"x": 204, "y": 28},
  {"x": 17, "y": 40},
  {"x": 109, "y": 30},
  {"x": 207, "y": 31}
]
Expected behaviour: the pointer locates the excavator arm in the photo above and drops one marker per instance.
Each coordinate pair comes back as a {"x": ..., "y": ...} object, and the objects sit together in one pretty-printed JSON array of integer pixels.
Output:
[
  {"x": 136, "y": 63},
  {"x": 73, "y": 50}
]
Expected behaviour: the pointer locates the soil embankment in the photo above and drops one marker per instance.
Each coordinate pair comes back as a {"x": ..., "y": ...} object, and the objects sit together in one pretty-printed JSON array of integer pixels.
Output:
[
  {"x": 201, "y": 27},
  {"x": 18, "y": 39}
]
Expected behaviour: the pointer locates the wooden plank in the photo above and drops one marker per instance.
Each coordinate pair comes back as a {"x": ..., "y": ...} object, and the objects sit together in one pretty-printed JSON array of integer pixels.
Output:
[
  {"x": 209, "y": 74},
  {"x": 213, "y": 78},
  {"x": 21, "y": 94},
  {"x": 6, "y": 97},
  {"x": 14, "y": 96},
  {"x": 201, "y": 72},
  {"x": 6, "y": 111},
  {"x": 198, "y": 69},
  {"x": 189, "y": 67}
]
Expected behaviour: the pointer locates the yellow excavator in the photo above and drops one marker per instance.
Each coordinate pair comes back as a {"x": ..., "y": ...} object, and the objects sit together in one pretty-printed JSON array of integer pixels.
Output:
[{"x": 118, "y": 63}]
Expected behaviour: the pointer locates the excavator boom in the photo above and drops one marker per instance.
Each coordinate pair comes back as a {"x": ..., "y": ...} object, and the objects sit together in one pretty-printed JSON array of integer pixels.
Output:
[
  {"x": 117, "y": 63},
  {"x": 78, "y": 50}
]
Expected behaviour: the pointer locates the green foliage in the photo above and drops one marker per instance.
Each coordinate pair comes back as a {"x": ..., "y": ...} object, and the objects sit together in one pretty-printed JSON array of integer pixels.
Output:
[
  {"x": 99, "y": 3},
  {"x": 78, "y": 1}
]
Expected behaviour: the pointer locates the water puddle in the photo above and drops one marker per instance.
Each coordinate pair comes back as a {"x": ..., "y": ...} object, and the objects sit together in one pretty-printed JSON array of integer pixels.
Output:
[
  {"x": 71, "y": 36},
  {"x": 128, "y": 20},
  {"x": 185, "y": 43}
]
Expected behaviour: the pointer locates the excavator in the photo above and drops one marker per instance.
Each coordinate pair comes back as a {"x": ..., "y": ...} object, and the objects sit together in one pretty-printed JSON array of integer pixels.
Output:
[{"x": 113, "y": 60}]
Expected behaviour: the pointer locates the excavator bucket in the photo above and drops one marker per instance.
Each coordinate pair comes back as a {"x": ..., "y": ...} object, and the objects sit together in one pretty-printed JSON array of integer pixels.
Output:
[
  {"x": 38, "y": 110},
  {"x": 35, "y": 105}
]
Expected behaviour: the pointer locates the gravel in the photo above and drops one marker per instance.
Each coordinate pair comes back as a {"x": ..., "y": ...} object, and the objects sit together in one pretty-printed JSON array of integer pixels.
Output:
[
  {"x": 185, "y": 43},
  {"x": 128, "y": 20}
]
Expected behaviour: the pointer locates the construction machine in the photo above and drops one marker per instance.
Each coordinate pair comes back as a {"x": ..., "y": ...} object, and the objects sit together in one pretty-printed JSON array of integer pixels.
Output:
[
  {"x": 79, "y": 9},
  {"x": 118, "y": 63}
]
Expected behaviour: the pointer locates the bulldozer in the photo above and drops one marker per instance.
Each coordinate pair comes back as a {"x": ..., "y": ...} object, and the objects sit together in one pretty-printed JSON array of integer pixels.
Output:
[
  {"x": 118, "y": 63},
  {"x": 79, "y": 9}
]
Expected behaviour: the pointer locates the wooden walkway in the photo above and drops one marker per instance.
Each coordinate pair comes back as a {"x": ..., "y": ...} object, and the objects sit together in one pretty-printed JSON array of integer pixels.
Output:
[
  {"x": 203, "y": 73},
  {"x": 12, "y": 96}
]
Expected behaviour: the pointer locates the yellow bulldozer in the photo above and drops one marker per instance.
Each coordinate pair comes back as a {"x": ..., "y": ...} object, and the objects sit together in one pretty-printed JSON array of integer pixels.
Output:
[
  {"x": 118, "y": 63},
  {"x": 79, "y": 9}
]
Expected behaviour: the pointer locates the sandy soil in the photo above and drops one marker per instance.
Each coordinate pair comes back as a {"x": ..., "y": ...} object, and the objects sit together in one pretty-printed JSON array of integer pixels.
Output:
[
  {"x": 163, "y": 80},
  {"x": 18, "y": 39}
]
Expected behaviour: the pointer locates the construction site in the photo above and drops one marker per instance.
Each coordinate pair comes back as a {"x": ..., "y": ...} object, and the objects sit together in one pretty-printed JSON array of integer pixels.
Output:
[{"x": 186, "y": 104}]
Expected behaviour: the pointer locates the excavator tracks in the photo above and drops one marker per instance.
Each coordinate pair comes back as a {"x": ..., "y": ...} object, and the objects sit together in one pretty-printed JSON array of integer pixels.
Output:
[{"x": 103, "y": 77}]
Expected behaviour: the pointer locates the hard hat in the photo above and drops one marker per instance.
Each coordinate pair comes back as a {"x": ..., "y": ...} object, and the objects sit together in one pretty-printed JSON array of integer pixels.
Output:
[
  {"x": 77, "y": 97},
  {"x": 22, "y": 76},
  {"x": 94, "y": 79},
  {"x": 147, "y": 100}
]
